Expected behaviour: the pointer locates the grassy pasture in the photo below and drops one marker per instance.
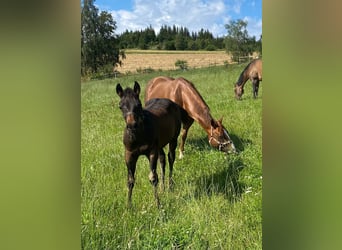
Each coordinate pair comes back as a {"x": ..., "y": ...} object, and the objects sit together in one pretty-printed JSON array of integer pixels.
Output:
[{"x": 217, "y": 199}]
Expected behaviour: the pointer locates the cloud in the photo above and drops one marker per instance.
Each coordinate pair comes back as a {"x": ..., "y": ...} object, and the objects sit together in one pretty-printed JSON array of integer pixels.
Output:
[
  {"x": 254, "y": 27},
  {"x": 192, "y": 14}
]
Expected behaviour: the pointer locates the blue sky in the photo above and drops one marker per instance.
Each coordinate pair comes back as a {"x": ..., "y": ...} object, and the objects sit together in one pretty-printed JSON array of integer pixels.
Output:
[{"x": 192, "y": 14}]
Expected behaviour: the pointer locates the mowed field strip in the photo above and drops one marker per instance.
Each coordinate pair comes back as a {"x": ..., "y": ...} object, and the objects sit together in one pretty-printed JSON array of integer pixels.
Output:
[{"x": 165, "y": 60}]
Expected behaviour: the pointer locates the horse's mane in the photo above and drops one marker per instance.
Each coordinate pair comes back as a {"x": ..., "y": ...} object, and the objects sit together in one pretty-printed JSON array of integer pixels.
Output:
[
  {"x": 206, "y": 110},
  {"x": 192, "y": 87},
  {"x": 240, "y": 81}
]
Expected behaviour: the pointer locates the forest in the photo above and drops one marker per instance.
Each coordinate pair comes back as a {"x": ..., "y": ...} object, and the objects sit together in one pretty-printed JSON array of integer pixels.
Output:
[{"x": 178, "y": 38}]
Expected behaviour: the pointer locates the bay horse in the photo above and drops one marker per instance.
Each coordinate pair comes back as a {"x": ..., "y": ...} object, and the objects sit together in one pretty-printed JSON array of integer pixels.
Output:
[
  {"x": 147, "y": 131},
  {"x": 253, "y": 72},
  {"x": 184, "y": 93}
]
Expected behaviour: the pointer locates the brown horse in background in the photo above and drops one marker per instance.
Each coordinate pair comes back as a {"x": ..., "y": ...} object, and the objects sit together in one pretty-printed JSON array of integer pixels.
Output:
[
  {"x": 147, "y": 131},
  {"x": 253, "y": 72},
  {"x": 184, "y": 93}
]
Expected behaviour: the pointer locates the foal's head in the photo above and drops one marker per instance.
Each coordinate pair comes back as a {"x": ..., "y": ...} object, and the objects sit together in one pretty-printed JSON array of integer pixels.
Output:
[
  {"x": 219, "y": 137},
  {"x": 130, "y": 105}
]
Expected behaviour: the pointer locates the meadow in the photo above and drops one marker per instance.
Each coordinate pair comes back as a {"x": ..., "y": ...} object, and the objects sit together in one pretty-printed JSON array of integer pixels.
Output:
[{"x": 217, "y": 199}]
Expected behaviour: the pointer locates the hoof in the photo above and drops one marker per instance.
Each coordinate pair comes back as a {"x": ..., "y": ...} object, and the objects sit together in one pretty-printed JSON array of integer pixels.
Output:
[{"x": 153, "y": 178}]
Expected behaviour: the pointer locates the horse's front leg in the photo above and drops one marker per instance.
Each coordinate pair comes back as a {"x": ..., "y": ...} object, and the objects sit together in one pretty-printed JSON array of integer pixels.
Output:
[
  {"x": 186, "y": 126},
  {"x": 153, "y": 176},
  {"x": 131, "y": 161}
]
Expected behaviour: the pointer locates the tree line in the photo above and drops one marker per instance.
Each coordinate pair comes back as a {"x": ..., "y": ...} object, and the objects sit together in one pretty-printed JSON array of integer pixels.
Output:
[
  {"x": 102, "y": 49},
  {"x": 170, "y": 38}
]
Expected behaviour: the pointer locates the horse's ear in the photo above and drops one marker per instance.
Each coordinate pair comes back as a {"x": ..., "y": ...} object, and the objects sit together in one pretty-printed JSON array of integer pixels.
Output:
[
  {"x": 119, "y": 90},
  {"x": 136, "y": 88},
  {"x": 220, "y": 120},
  {"x": 213, "y": 123}
]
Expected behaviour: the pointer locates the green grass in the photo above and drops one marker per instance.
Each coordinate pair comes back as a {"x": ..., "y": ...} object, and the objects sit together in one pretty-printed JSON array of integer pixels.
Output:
[{"x": 217, "y": 199}]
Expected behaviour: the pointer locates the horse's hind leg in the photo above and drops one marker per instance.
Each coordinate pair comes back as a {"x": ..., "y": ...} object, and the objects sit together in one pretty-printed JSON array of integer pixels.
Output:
[
  {"x": 171, "y": 158},
  {"x": 255, "y": 83},
  {"x": 162, "y": 166},
  {"x": 257, "y": 87},
  {"x": 153, "y": 158}
]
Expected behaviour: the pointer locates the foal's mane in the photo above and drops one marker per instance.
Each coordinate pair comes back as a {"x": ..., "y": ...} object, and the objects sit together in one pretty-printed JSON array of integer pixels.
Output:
[{"x": 129, "y": 92}]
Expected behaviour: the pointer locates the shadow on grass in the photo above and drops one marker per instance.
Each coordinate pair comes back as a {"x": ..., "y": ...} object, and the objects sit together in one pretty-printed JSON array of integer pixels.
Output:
[
  {"x": 239, "y": 142},
  {"x": 224, "y": 182},
  {"x": 199, "y": 143},
  {"x": 202, "y": 144}
]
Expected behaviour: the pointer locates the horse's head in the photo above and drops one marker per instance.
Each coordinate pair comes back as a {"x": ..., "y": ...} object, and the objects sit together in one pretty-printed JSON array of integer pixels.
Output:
[
  {"x": 219, "y": 137},
  {"x": 238, "y": 91},
  {"x": 130, "y": 105}
]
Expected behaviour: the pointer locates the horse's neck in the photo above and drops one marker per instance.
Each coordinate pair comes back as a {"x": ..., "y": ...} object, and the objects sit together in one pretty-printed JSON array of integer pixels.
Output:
[
  {"x": 206, "y": 125},
  {"x": 203, "y": 117},
  {"x": 243, "y": 78},
  {"x": 198, "y": 110}
]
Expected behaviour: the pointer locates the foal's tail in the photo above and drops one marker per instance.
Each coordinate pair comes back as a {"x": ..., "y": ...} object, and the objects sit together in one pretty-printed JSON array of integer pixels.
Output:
[{"x": 184, "y": 115}]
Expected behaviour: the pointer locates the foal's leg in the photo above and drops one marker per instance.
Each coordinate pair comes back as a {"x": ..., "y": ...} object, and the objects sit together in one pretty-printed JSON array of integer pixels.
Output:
[
  {"x": 162, "y": 166},
  {"x": 171, "y": 157},
  {"x": 153, "y": 157},
  {"x": 131, "y": 161},
  {"x": 186, "y": 126}
]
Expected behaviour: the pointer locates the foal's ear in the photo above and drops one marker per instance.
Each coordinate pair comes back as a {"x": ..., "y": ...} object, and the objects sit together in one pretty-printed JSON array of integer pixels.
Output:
[
  {"x": 119, "y": 90},
  {"x": 220, "y": 120},
  {"x": 136, "y": 88}
]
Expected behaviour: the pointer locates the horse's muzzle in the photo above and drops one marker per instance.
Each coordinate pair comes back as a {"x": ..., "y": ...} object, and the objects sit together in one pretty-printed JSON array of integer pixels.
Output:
[
  {"x": 229, "y": 148},
  {"x": 131, "y": 122}
]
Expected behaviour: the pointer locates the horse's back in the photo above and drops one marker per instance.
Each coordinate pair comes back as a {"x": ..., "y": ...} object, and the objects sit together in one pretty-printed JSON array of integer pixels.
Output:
[
  {"x": 181, "y": 91},
  {"x": 167, "y": 117},
  {"x": 161, "y": 87},
  {"x": 162, "y": 107},
  {"x": 177, "y": 90},
  {"x": 256, "y": 69}
]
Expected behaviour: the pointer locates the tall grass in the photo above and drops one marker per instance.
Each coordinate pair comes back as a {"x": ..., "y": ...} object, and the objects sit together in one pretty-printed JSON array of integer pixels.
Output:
[{"x": 216, "y": 202}]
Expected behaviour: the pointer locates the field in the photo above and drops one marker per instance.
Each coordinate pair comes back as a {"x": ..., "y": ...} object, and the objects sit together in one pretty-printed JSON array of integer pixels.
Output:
[
  {"x": 217, "y": 199},
  {"x": 162, "y": 60}
]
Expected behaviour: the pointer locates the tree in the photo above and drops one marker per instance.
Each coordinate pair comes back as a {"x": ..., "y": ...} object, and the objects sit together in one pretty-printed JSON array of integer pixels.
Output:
[
  {"x": 99, "y": 45},
  {"x": 259, "y": 45},
  {"x": 180, "y": 42},
  {"x": 237, "y": 39},
  {"x": 182, "y": 64}
]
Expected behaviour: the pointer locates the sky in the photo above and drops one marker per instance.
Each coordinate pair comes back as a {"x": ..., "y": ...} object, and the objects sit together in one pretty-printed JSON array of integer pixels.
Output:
[{"x": 210, "y": 15}]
